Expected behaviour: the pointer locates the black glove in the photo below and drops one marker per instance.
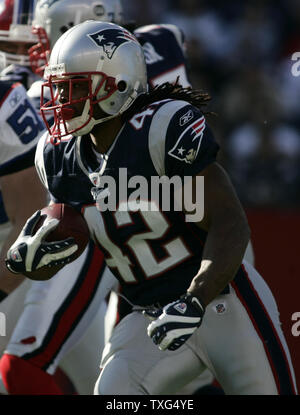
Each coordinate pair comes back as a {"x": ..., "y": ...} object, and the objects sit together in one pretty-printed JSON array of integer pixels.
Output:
[
  {"x": 176, "y": 322},
  {"x": 31, "y": 252}
]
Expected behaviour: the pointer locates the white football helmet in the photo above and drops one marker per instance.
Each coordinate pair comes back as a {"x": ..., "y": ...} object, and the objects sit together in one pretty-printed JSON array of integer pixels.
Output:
[
  {"x": 105, "y": 56},
  {"x": 15, "y": 26},
  {"x": 52, "y": 18}
]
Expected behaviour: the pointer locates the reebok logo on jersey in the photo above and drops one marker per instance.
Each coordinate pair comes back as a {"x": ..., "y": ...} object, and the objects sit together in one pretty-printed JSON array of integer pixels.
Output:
[
  {"x": 186, "y": 118},
  {"x": 111, "y": 39},
  {"x": 181, "y": 307},
  {"x": 15, "y": 99}
]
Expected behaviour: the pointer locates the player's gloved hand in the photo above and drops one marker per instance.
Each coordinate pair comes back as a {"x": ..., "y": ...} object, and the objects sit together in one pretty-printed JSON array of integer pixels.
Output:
[
  {"x": 31, "y": 252},
  {"x": 173, "y": 324}
]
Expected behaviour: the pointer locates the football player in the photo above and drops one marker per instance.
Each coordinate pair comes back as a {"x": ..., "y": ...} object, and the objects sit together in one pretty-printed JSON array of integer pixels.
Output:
[
  {"x": 164, "y": 50},
  {"x": 163, "y": 47},
  {"x": 48, "y": 25},
  {"x": 208, "y": 308}
]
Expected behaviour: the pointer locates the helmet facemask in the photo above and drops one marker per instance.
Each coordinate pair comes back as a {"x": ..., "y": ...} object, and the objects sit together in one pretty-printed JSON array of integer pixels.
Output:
[{"x": 99, "y": 88}]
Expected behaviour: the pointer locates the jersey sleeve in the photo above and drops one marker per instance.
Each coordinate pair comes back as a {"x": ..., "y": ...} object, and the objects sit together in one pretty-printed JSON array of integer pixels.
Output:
[{"x": 20, "y": 128}]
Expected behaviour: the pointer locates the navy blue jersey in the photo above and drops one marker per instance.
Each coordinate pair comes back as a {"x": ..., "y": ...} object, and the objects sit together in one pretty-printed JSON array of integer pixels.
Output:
[
  {"x": 163, "y": 47},
  {"x": 153, "y": 253}
]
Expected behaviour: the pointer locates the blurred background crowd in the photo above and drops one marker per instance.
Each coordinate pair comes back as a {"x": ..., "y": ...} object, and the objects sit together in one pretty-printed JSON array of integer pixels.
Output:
[{"x": 240, "y": 52}]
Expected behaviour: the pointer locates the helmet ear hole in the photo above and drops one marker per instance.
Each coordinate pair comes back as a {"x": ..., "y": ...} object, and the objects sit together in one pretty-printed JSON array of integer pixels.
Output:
[{"x": 122, "y": 86}]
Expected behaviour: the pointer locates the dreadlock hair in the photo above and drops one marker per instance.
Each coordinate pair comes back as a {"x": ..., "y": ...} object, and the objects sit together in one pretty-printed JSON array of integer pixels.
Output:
[{"x": 197, "y": 98}]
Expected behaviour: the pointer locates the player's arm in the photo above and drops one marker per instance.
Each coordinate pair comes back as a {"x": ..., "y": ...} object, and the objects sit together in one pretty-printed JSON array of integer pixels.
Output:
[
  {"x": 193, "y": 155},
  {"x": 30, "y": 252},
  {"x": 23, "y": 194},
  {"x": 227, "y": 235},
  {"x": 227, "y": 238}
]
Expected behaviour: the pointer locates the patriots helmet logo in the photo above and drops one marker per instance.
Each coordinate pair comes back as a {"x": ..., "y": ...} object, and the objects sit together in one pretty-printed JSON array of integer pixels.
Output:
[{"x": 111, "y": 39}]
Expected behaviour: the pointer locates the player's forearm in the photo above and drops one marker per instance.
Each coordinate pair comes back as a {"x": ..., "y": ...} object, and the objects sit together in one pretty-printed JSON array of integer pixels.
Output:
[{"x": 223, "y": 253}]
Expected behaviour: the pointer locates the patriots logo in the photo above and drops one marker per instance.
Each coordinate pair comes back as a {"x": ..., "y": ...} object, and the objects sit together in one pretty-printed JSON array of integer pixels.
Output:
[
  {"x": 189, "y": 142},
  {"x": 111, "y": 39}
]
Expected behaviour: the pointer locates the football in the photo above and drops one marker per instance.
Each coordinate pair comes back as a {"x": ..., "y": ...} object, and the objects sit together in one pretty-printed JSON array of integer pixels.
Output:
[{"x": 71, "y": 224}]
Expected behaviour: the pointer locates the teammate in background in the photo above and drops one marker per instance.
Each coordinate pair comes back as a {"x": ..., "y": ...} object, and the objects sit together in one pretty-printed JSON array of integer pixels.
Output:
[
  {"x": 59, "y": 312},
  {"x": 214, "y": 310}
]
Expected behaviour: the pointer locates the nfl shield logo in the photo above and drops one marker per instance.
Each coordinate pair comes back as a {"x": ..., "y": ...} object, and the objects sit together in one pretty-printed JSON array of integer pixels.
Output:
[{"x": 220, "y": 308}]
